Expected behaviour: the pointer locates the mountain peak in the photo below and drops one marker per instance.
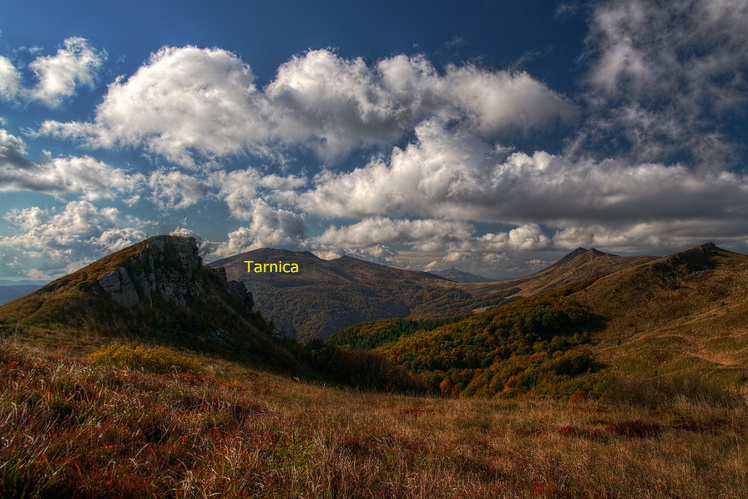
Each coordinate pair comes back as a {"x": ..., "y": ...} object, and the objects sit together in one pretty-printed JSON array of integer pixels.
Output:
[
  {"x": 160, "y": 291},
  {"x": 579, "y": 252},
  {"x": 695, "y": 259},
  {"x": 161, "y": 268}
]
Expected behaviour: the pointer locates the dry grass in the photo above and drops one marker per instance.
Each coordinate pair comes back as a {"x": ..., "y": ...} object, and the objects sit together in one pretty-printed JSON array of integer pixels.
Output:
[
  {"x": 72, "y": 428},
  {"x": 659, "y": 321}
]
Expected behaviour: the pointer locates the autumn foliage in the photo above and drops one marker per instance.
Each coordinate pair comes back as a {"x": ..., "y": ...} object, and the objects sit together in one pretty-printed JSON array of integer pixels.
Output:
[{"x": 532, "y": 347}]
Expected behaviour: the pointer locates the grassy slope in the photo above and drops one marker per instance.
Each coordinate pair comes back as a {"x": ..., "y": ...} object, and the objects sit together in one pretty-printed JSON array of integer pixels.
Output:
[
  {"x": 576, "y": 266},
  {"x": 75, "y": 429},
  {"x": 67, "y": 313},
  {"x": 663, "y": 318}
]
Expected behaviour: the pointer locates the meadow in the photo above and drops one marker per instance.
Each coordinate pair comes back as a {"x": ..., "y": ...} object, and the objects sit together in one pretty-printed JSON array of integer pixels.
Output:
[{"x": 122, "y": 423}]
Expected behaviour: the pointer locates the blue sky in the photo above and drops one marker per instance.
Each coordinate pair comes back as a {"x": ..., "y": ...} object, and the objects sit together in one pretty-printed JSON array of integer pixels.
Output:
[{"x": 489, "y": 136}]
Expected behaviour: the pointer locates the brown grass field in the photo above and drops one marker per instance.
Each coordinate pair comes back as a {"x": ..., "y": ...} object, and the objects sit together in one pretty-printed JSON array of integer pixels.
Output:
[{"x": 70, "y": 427}]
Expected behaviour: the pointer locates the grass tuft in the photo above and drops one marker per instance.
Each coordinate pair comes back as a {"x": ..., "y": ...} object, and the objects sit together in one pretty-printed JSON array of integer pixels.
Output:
[{"x": 153, "y": 359}]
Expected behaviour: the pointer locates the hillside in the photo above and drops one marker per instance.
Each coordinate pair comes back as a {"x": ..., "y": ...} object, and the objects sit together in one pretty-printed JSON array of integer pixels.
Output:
[
  {"x": 157, "y": 291},
  {"x": 578, "y": 265},
  {"x": 74, "y": 428},
  {"x": 325, "y": 296},
  {"x": 685, "y": 313},
  {"x": 536, "y": 346}
]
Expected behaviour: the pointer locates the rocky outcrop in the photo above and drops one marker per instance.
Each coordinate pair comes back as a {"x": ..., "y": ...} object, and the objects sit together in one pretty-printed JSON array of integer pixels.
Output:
[
  {"x": 119, "y": 287},
  {"x": 167, "y": 268}
]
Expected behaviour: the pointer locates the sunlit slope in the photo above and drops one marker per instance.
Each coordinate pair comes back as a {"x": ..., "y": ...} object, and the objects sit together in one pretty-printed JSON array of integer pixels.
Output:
[
  {"x": 157, "y": 291},
  {"x": 578, "y": 265},
  {"x": 684, "y": 313}
]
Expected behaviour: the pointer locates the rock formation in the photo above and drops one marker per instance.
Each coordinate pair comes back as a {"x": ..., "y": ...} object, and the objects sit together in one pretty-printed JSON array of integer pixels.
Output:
[{"x": 165, "y": 267}]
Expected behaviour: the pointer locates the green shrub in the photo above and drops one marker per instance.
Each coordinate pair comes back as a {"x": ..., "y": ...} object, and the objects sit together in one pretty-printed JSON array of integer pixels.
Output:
[{"x": 153, "y": 359}]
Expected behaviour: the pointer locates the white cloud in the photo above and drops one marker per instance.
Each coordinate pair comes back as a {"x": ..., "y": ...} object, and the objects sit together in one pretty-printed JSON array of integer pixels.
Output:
[
  {"x": 9, "y": 79},
  {"x": 422, "y": 235},
  {"x": 175, "y": 190},
  {"x": 112, "y": 240},
  {"x": 269, "y": 227},
  {"x": 183, "y": 99},
  {"x": 663, "y": 77},
  {"x": 191, "y": 104},
  {"x": 61, "y": 176},
  {"x": 239, "y": 188},
  {"x": 500, "y": 100},
  {"x": 656, "y": 237},
  {"x": 448, "y": 241},
  {"x": 59, "y": 75},
  {"x": 449, "y": 176},
  {"x": 58, "y": 243},
  {"x": 12, "y": 152}
]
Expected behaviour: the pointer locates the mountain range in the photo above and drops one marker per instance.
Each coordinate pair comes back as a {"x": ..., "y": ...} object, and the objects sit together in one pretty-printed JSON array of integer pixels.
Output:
[
  {"x": 685, "y": 314},
  {"x": 326, "y": 296},
  {"x": 182, "y": 373},
  {"x": 12, "y": 291},
  {"x": 642, "y": 316}
]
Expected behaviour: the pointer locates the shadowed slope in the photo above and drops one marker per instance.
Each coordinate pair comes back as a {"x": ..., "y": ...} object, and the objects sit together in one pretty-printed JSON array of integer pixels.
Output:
[{"x": 328, "y": 295}]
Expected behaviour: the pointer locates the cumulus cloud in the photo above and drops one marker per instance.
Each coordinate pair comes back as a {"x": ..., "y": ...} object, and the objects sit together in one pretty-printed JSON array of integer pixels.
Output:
[
  {"x": 422, "y": 235},
  {"x": 12, "y": 152},
  {"x": 56, "y": 243},
  {"x": 446, "y": 176},
  {"x": 174, "y": 190},
  {"x": 448, "y": 240},
  {"x": 189, "y": 103},
  {"x": 239, "y": 188},
  {"x": 61, "y": 176},
  {"x": 59, "y": 75},
  {"x": 269, "y": 227},
  {"x": 9, "y": 79},
  {"x": 184, "y": 98},
  {"x": 655, "y": 236},
  {"x": 498, "y": 100},
  {"x": 650, "y": 163}
]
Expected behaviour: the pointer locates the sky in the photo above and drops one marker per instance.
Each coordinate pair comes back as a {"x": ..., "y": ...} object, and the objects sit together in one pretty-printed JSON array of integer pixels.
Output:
[{"x": 489, "y": 136}]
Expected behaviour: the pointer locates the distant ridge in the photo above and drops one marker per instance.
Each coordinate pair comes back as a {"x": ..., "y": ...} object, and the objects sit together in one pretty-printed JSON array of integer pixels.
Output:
[
  {"x": 460, "y": 276},
  {"x": 11, "y": 292},
  {"x": 578, "y": 265},
  {"x": 326, "y": 296}
]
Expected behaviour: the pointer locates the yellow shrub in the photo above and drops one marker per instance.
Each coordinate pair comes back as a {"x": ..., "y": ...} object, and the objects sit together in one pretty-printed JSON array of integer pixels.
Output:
[{"x": 153, "y": 359}]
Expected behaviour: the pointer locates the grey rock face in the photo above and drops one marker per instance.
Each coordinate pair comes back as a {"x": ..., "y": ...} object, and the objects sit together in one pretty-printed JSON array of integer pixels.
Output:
[
  {"x": 119, "y": 286},
  {"x": 168, "y": 267}
]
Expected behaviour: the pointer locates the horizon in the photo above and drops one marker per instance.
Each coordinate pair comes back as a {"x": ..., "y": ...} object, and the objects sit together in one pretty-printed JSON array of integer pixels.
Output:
[{"x": 494, "y": 139}]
